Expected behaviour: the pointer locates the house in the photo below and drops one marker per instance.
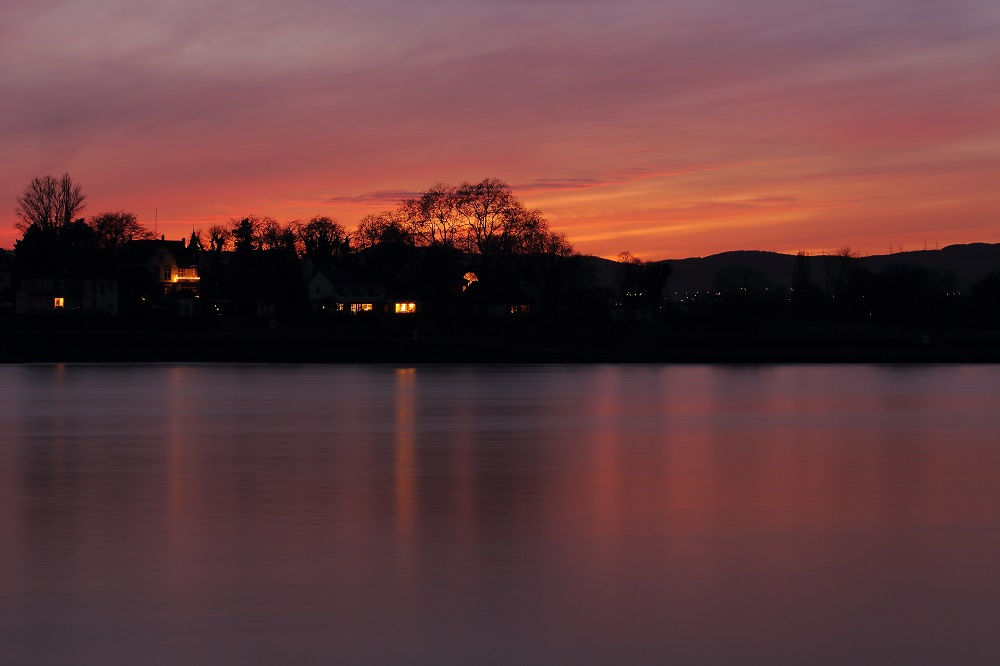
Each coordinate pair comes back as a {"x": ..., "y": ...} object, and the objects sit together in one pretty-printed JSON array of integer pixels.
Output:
[
  {"x": 347, "y": 292},
  {"x": 171, "y": 264},
  {"x": 503, "y": 300},
  {"x": 162, "y": 274},
  {"x": 359, "y": 297},
  {"x": 47, "y": 293}
]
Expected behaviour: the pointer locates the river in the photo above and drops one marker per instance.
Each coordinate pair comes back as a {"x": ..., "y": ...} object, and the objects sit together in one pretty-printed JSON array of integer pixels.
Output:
[{"x": 314, "y": 514}]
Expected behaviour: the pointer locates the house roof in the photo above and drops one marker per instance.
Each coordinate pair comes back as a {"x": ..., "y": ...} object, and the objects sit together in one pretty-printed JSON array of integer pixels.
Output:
[{"x": 145, "y": 249}]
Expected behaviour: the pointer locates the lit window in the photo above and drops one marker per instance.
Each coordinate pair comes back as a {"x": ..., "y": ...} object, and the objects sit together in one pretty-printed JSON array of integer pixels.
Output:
[
  {"x": 361, "y": 307},
  {"x": 58, "y": 302},
  {"x": 406, "y": 308}
]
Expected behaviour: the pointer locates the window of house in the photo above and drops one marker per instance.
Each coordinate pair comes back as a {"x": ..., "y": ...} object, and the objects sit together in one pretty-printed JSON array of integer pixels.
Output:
[
  {"x": 58, "y": 302},
  {"x": 406, "y": 308}
]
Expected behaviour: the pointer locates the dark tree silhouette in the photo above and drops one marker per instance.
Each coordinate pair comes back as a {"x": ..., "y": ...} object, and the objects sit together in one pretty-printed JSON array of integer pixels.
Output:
[
  {"x": 388, "y": 227},
  {"x": 113, "y": 230},
  {"x": 321, "y": 239},
  {"x": 838, "y": 270},
  {"x": 49, "y": 204},
  {"x": 640, "y": 285},
  {"x": 245, "y": 234},
  {"x": 433, "y": 216},
  {"x": 495, "y": 221},
  {"x": 219, "y": 238},
  {"x": 272, "y": 236}
]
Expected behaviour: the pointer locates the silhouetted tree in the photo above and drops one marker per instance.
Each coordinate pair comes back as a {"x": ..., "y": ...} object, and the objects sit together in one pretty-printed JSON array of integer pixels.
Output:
[
  {"x": 321, "y": 239},
  {"x": 495, "y": 221},
  {"x": 113, "y": 230},
  {"x": 245, "y": 234},
  {"x": 802, "y": 273},
  {"x": 806, "y": 296},
  {"x": 219, "y": 238},
  {"x": 74, "y": 249},
  {"x": 627, "y": 274},
  {"x": 386, "y": 227},
  {"x": 52, "y": 240},
  {"x": 433, "y": 216},
  {"x": 49, "y": 204},
  {"x": 838, "y": 270},
  {"x": 640, "y": 285}
]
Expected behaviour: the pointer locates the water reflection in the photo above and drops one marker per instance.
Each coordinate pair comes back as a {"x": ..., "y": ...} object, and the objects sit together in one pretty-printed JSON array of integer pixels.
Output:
[{"x": 642, "y": 514}]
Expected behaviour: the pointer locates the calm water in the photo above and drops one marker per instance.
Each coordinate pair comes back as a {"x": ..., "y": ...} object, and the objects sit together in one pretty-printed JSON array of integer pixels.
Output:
[{"x": 510, "y": 515}]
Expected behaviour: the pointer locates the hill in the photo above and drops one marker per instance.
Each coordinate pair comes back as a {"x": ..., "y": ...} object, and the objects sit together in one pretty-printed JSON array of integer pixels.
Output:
[{"x": 967, "y": 263}]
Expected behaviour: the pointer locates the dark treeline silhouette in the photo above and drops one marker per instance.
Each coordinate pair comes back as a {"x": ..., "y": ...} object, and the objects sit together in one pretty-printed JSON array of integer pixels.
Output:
[
  {"x": 846, "y": 289},
  {"x": 451, "y": 253},
  {"x": 462, "y": 262}
]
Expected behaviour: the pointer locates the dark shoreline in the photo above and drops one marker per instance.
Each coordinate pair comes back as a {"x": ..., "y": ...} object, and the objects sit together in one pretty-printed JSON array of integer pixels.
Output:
[{"x": 614, "y": 346}]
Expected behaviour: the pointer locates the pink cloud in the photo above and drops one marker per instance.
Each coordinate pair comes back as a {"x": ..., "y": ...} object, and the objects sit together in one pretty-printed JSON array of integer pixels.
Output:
[{"x": 624, "y": 110}]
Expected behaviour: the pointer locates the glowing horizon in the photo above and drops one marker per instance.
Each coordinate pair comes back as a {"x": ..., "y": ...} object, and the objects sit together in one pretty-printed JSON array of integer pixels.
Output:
[{"x": 666, "y": 129}]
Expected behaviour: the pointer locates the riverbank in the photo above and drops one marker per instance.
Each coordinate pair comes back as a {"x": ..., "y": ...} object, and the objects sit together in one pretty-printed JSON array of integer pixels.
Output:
[{"x": 525, "y": 344}]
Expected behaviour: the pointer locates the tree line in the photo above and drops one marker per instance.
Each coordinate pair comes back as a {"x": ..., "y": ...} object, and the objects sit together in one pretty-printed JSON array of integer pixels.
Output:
[
  {"x": 484, "y": 219},
  {"x": 430, "y": 243},
  {"x": 427, "y": 242}
]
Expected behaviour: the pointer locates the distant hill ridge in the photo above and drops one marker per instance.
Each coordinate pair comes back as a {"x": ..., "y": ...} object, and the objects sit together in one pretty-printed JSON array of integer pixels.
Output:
[{"x": 968, "y": 263}]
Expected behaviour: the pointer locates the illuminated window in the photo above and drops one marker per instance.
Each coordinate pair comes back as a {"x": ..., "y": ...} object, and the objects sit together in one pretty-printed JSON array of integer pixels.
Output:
[
  {"x": 58, "y": 302},
  {"x": 361, "y": 307},
  {"x": 340, "y": 307},
  {"x": 406, "y": 308}
]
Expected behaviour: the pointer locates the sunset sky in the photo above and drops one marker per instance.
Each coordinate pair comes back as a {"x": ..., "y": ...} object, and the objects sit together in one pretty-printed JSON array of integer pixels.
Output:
[{"x": 667, "y": 128}]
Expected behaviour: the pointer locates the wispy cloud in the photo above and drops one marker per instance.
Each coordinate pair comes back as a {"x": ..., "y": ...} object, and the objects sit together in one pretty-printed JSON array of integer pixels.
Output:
[
  {"x": 599, "y": 105},
  {"x": 380, "y": 198}
]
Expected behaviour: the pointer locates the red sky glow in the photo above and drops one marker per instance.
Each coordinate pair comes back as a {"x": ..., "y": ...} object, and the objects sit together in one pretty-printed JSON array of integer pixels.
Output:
[{"x": 669, "y": 129}]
